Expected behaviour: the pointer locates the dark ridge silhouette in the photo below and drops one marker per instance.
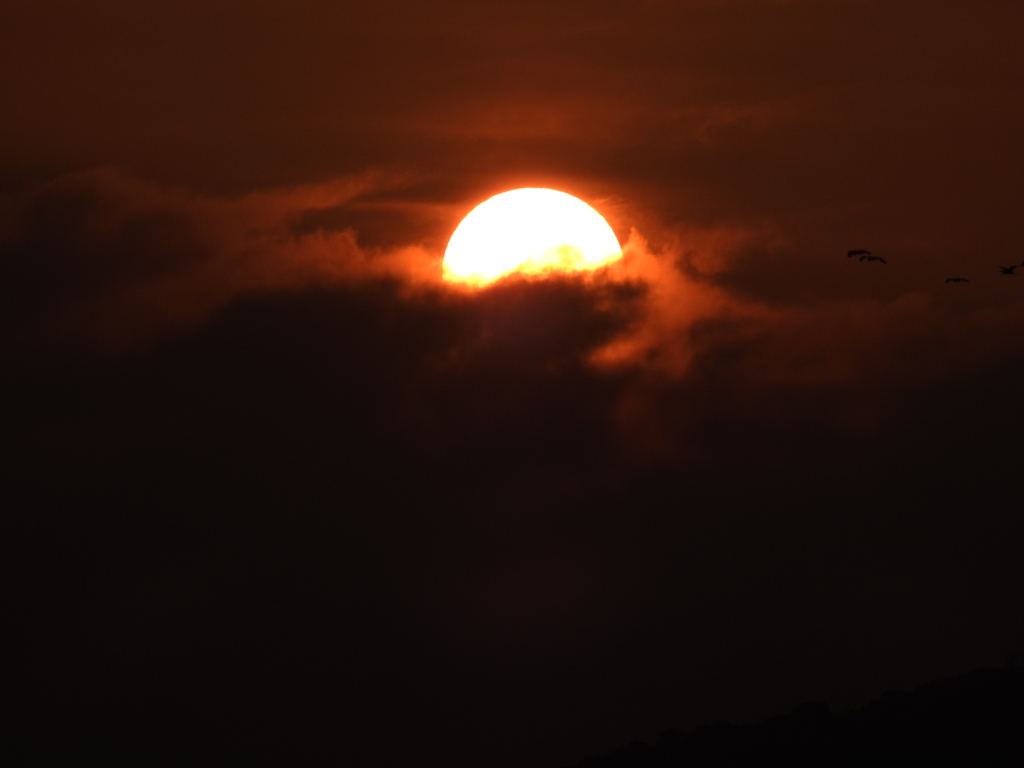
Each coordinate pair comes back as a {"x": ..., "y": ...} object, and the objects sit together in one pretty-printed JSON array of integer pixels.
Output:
[
  {"x": 858, "y": 252},
  {"x": 1009, "y": 270},
  {"x": 957, "y": 280},
  {"x": 872, "y": 258},
  {"x": 973, "y": 720}
]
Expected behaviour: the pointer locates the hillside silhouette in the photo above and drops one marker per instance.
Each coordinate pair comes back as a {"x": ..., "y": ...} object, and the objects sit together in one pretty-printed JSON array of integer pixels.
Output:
[{"x": 976, "y": 719}]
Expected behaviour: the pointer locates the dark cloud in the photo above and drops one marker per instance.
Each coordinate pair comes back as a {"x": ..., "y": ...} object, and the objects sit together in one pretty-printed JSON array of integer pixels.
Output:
[
  {"x": 106, "y": 259},
  {"x": 345, "y": 518}
]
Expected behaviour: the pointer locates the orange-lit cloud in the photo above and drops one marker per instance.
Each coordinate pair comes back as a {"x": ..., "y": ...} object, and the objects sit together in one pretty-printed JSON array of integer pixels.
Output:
[
  {"x": 109, "y": 259},
  {"x": 105, "y": 259}
]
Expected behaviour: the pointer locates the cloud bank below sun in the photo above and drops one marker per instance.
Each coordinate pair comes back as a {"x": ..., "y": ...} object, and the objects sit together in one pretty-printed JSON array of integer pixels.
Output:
[{"x": 105, "y": 260}]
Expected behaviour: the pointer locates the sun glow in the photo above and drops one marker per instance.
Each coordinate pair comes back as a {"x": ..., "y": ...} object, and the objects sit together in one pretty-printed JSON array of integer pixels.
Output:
[{"x": 528, "y": 231}]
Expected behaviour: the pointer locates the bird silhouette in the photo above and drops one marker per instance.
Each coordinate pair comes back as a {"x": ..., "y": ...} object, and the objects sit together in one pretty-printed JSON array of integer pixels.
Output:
[
  {"x": 957, "y": 280},
  {"x": 1009, "y": 270},
  {"x": 868, "y": 257},
  {"x": 858, "y": 252}
]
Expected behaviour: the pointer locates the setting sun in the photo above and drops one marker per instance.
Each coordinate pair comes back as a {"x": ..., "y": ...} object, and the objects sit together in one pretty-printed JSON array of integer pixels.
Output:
[{"x": 528, "y": 231}]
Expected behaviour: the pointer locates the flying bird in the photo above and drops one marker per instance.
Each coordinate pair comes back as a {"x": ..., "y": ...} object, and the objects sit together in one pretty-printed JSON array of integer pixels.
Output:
[
  {"x": 869, "y": 257},
  {"x": 858, "y": 252},
  {"x": 1009, "y": 270},
  {"x": 957, "y": 280}
]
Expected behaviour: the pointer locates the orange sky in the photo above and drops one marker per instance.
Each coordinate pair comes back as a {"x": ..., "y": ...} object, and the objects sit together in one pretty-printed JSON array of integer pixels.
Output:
[
  {"x": 274, "y": 466},
  {"x": 892, "y": 126}
]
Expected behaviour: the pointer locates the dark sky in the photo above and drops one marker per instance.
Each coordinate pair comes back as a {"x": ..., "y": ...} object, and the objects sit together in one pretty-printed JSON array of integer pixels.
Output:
[{"x": 275, "y": 495}]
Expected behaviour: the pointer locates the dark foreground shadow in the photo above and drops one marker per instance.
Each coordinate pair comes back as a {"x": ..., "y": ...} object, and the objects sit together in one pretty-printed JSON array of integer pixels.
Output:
[{"x": 976, "y": 719}]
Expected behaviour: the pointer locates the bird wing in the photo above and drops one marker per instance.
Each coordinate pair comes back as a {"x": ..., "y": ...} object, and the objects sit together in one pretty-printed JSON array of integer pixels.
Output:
[{"x": 879, "y": 258}]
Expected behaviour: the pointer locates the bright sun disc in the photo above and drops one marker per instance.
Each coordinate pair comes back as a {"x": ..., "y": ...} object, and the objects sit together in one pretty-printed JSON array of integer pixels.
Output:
[{"x": 528, "y": 231}]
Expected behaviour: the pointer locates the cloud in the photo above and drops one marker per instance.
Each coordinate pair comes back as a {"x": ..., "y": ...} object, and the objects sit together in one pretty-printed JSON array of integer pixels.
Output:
[
  {"x": 324, "y": 471},
  {"x": 104, "y": 258}
]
